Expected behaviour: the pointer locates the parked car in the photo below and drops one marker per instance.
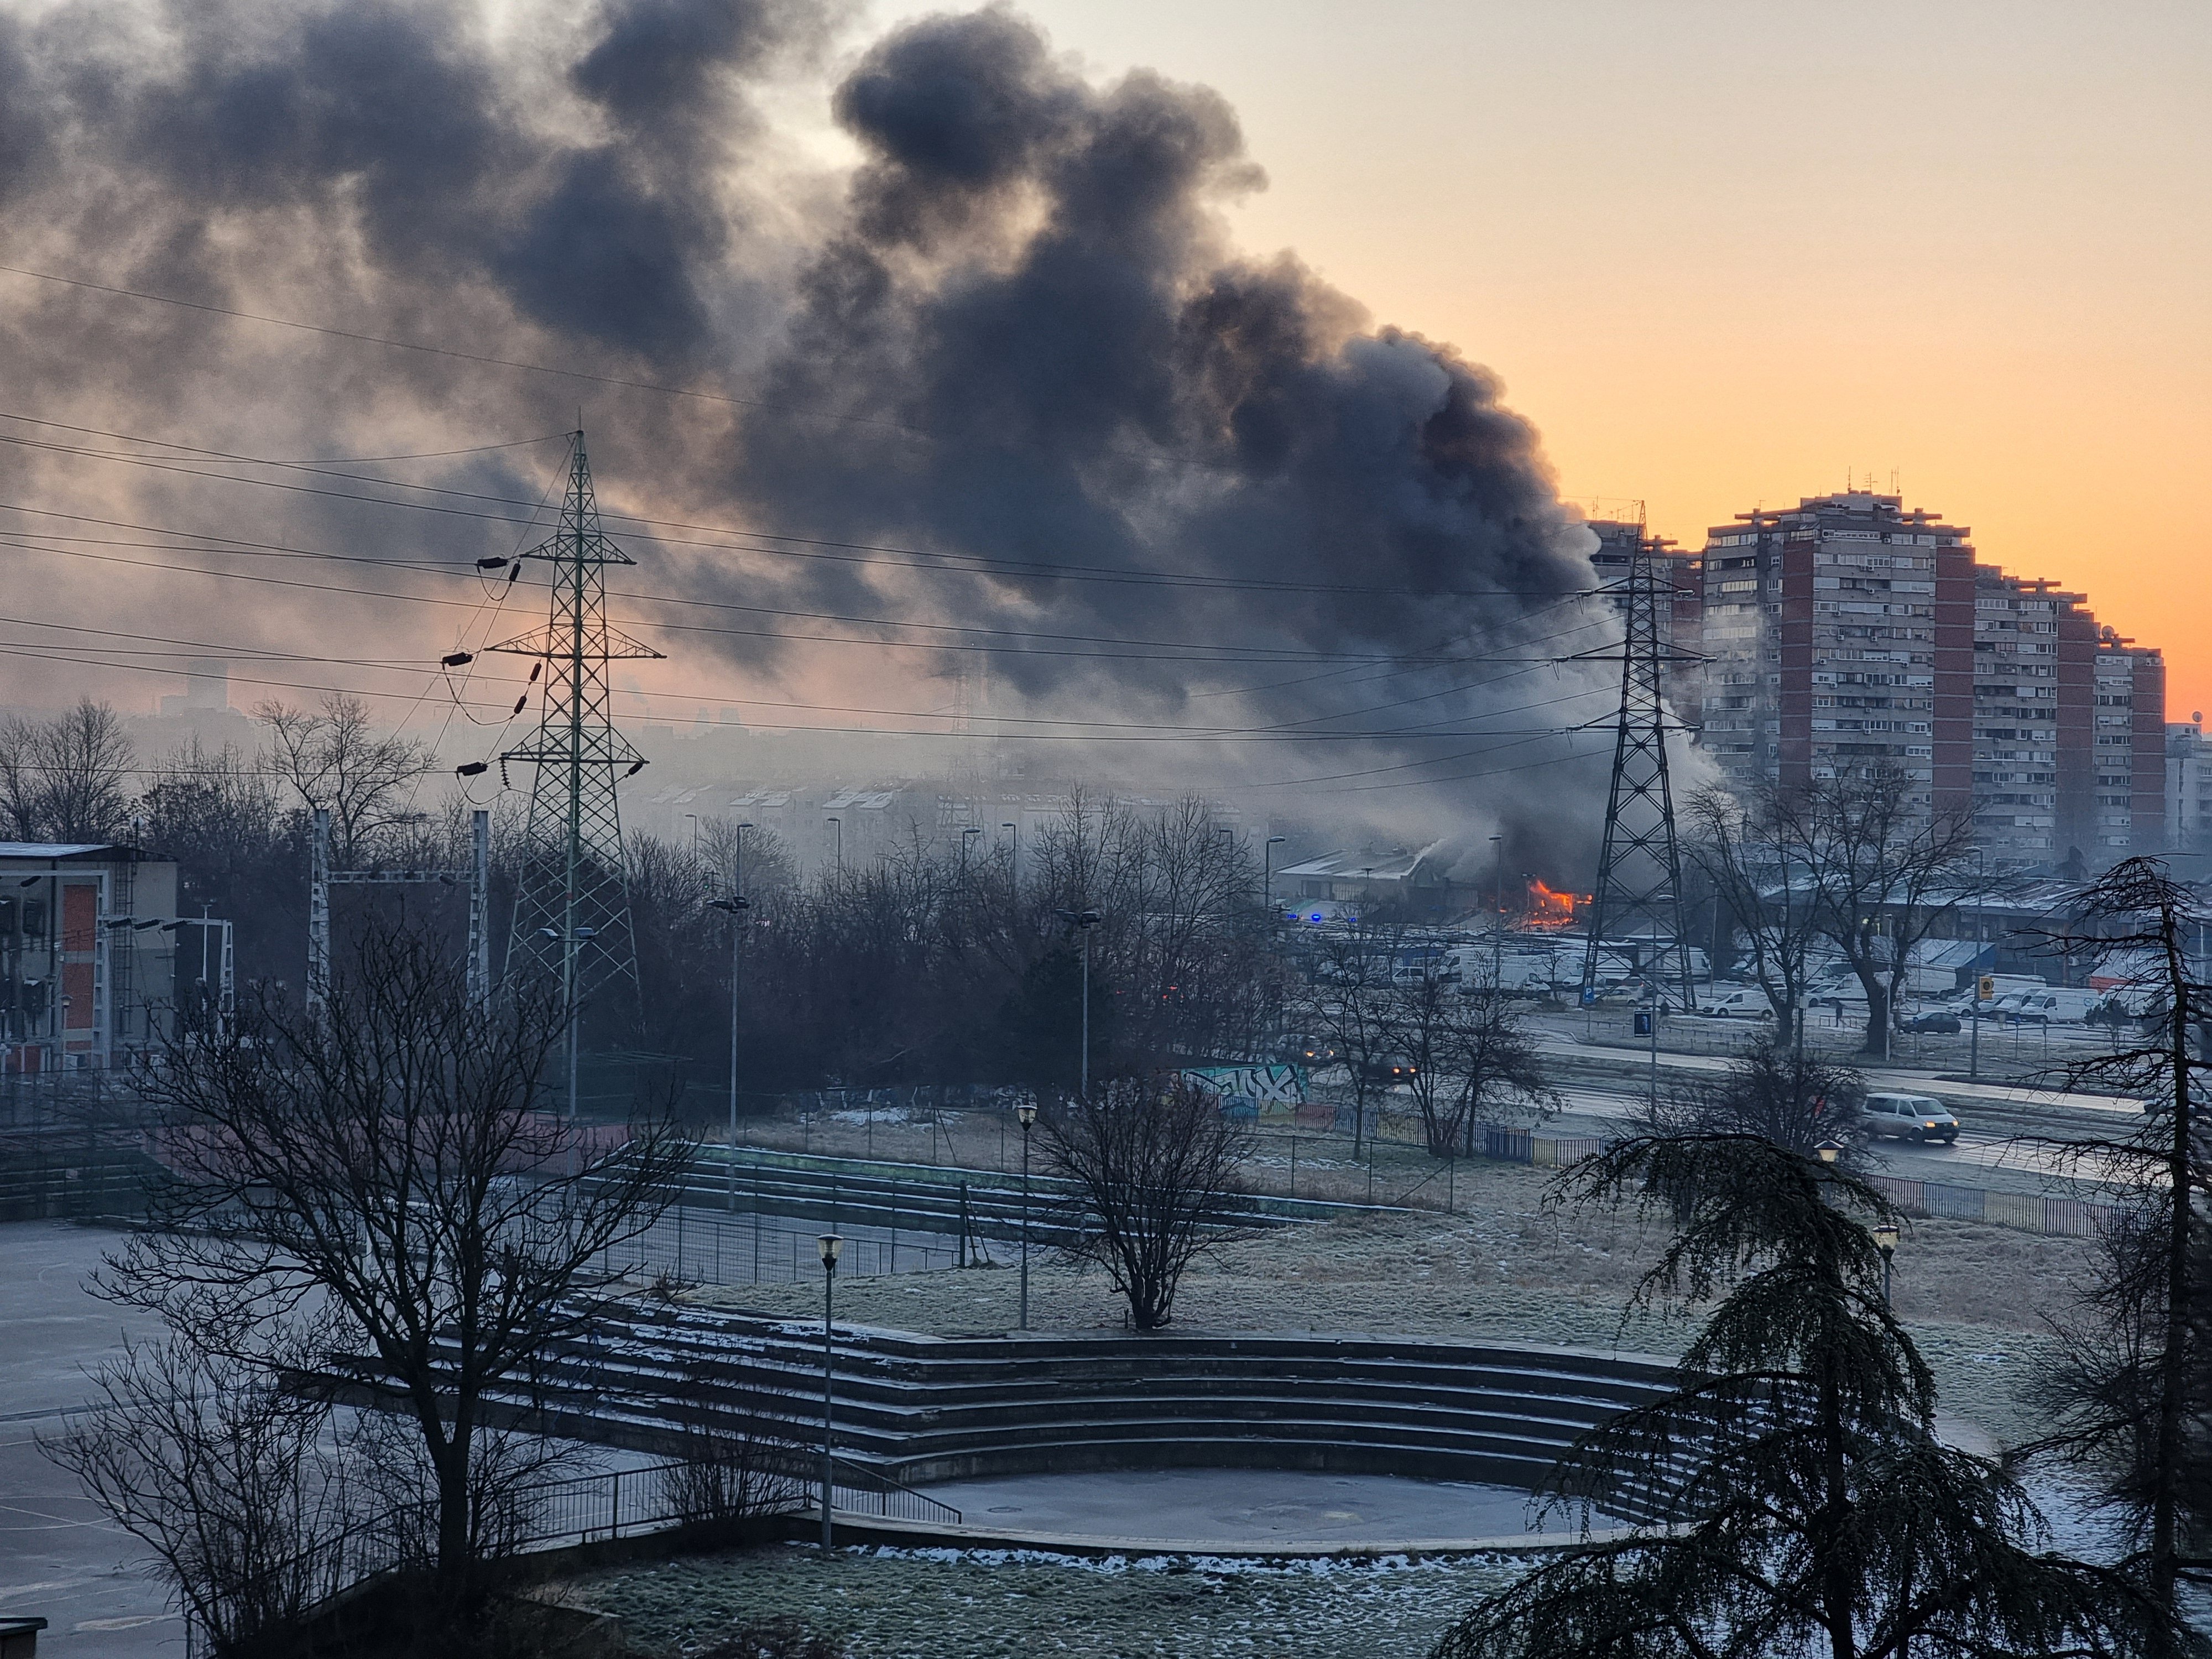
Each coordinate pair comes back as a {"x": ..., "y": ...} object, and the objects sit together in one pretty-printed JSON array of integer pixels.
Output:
[
  {"x": 1909, "y": 1117},
  {"x": 1934, "y": 1019}
]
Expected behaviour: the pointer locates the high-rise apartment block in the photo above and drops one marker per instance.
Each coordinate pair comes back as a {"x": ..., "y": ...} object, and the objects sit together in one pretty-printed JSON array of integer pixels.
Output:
[
  {"x": 2188, "y": 785},
  {"x": 1850, "y": 633}
]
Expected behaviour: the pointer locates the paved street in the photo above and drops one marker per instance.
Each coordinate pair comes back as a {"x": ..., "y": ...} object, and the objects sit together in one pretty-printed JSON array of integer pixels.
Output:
[{"x": 59, "y": 1559}]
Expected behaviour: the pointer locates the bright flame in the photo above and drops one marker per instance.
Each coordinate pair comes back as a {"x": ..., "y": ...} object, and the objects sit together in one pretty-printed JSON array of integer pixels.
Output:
[{"x": 1549, "y": 908}]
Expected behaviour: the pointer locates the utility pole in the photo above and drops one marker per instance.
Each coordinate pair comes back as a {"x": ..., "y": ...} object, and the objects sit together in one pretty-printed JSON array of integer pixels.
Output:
[
  {"x": 1639, "y": 896},
  {"x": 572, "y": 889}
]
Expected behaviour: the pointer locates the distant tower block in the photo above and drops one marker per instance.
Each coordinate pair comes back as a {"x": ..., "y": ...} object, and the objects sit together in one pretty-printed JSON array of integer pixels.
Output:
[
  {"x": 974, "y": 771},
  {"x": 1638, "y": 901},
  {"x": 571, "y": 906}
]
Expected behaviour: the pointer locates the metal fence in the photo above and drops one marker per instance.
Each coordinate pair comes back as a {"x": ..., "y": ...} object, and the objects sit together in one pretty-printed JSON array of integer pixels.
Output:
[
  {"x": 625, "y": 1503},
  {"x": 696, "y": 1247},
  {"x": 584, "y": 1508},
  {"x": 2034, "y": 1212}
]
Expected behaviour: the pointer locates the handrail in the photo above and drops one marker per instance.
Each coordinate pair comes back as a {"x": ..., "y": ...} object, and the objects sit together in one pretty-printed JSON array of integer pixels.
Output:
[{"x": 946, "y": 1514}]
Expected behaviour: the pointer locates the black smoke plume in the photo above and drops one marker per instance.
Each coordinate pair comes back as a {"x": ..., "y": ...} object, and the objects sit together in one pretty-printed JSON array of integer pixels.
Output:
[{"x": 1186, "y": 488}]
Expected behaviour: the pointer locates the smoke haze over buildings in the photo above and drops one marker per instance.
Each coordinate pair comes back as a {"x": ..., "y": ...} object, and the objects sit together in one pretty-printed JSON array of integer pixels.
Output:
[{"x": 1001, "y": 392}]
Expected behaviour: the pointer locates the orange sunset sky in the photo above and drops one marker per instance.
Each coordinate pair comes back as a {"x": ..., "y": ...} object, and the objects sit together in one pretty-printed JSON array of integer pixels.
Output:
[{"x": 1731, "y": 252}]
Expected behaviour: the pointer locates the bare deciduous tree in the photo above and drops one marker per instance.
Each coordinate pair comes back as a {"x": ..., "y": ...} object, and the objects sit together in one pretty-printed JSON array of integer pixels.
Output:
[
  {"x": 67, "y": 779},
  {"x": 223, "y": 1471},
  {"x": 393, "y": 1171},
  {"x": 1470, "y": 1054},
  {"x": 1348, "y": 1004},
  {"x": 1148, "y": 1165},
  {"x": 335, "y": 758},
  {"x": 1775, "y": 1091},
  {"x": 1888, "y": 867},
  {"x": 1754, "y": 853}
]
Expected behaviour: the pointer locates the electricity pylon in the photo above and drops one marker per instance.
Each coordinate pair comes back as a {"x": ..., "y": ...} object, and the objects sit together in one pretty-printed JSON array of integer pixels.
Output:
[
  {"x": 571, "y": 906},
  {"x": 1638, "y": 900}
]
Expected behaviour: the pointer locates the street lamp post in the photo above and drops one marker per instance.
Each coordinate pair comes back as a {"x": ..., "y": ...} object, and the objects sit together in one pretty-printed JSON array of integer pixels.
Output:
[
  {"x": 1014, "y": 859},
  {"x": 838, "y": 824},
  {"x": 1829, "y": 1150},
  {"x": 1496, "y": 910},
  {"x": 569, "y": 940},
  {"x": 964, "y": 834},
  {"x": 1082, "y": 922},
  {"x": 1026, "y": 1114},
  {"x": 828, "y": 1244},
  {"x": 1981, "y": 930},
  {"x": 1267, "y": 877},
  {"x": 734, "y": 907},
  {"x": 1885, "y": 1240}
]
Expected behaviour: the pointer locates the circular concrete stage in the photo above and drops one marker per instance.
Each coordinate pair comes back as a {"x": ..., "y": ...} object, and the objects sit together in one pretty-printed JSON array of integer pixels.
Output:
[
  {"x": 1244, "y": 1506},
  {"x": 1242, "y": 1512}
]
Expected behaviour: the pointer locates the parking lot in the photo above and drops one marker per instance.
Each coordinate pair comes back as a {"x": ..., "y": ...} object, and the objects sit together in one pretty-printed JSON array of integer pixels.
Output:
[{"x": 60, "y": 1559}]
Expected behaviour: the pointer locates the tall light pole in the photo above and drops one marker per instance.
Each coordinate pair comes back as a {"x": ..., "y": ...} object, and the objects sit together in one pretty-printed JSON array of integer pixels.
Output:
[
  {"x": 964, "y": 834},
  {"x": 734, "y": 907},
  {"x": 1981, "y": 928},
  {"x": 838, "y": 824},
  {"x": 828, "y": 1244},
  {"x": 1015, "y": 857},
  {"x": 1496, "y": 910},
  {"x": 1267, "y": 873},
  {"x": 1026, "y": 1115},
  {"x": 568, "y": 940},
  {"x": 1885, "y": 1240},
  {"x": 1082, "y": 922}
]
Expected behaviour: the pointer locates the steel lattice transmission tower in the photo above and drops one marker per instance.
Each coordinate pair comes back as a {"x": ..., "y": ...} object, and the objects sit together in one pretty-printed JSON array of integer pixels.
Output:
[
  {"x": 1638, "y": 900},
  {"x": 571, "y": 906}
]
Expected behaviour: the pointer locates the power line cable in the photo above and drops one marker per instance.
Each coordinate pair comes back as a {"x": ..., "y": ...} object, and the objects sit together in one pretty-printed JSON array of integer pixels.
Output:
[{"x": 969, "y": 563}]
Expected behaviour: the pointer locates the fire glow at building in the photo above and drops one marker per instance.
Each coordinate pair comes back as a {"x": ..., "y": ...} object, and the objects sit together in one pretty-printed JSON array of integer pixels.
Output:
[{"x": 1549, "y": 909}]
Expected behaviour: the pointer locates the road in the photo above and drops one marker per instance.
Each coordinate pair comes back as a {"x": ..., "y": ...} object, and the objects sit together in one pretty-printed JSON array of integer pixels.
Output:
[
  {"x": 2012, "y": 1137},
  {"x": 60, "y": 1559}
]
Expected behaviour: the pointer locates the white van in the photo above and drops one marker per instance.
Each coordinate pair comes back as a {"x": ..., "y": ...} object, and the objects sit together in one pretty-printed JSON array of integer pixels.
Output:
[
  {"x": 1911, "y": 1117},
  {"x": 2005, "y": 985},
  {"x": 2056, "y": 1007},
  {"x": 1736, "y": 1002}
]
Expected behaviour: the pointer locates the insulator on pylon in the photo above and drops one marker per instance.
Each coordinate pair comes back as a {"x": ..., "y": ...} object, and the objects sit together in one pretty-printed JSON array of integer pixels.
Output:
[
  {"x": 457, "y": 659},
  {"x": 536, "y": 669},
  {"x": 520, "y": 701},
  {"x": 635, "y": 767},
  {"x": 473, "y": 769},
  {"x": 491, "y": 564}
]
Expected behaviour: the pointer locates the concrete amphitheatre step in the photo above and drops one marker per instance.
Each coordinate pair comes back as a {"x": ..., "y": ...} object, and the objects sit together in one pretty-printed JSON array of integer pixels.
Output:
[{"x": 924, "y": 1409}]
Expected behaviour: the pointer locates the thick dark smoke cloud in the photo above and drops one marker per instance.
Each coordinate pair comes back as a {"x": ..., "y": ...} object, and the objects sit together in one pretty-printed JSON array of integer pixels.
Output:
[{"x": 1017, "y": 329}]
